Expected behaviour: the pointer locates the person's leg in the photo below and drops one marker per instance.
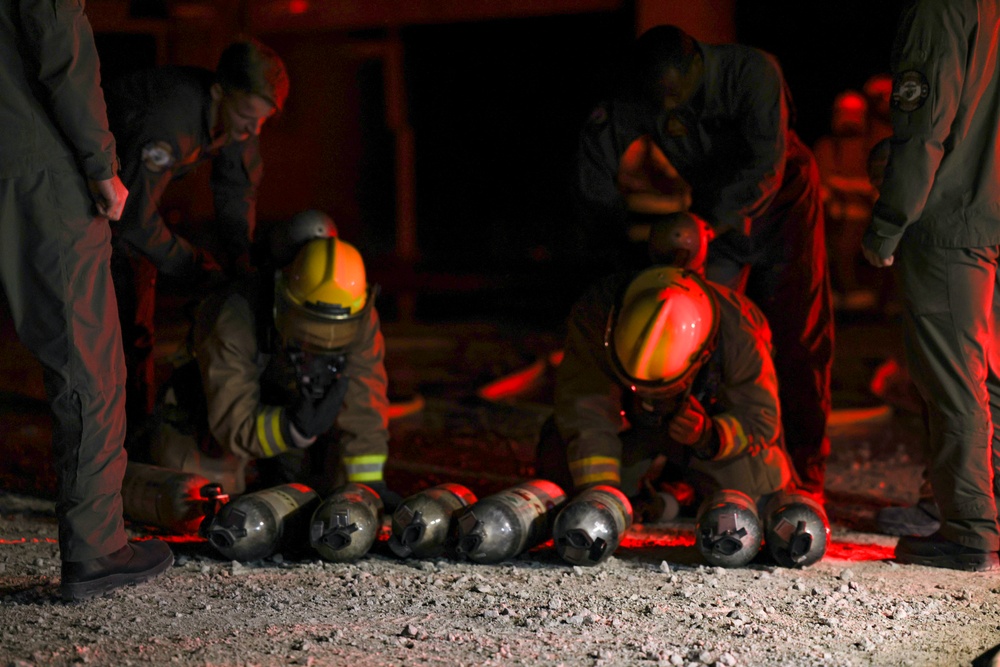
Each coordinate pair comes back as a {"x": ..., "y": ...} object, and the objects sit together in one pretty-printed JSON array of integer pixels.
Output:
[
  {"x": 791, "y": 284},
  {"x": 948, "y": 295},
  {"x": 56, "y": 275},
  {"x": 135, "y": 287}
]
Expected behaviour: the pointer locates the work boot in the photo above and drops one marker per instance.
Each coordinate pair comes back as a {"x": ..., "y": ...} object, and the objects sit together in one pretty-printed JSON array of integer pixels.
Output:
[
  {"x": 936, "y": 551},
  {"x": 132, "y": 564},
  {"x": 920, "y": 520}
]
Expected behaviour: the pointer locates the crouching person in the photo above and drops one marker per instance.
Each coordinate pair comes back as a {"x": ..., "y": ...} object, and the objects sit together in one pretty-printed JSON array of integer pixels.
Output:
[
  {"x": 287, "y": 373},
  {"x": 667, "y": 377}
]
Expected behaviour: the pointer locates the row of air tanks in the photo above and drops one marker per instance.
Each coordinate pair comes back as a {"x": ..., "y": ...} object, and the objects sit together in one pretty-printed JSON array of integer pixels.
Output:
[{"x": 449, "y": 521}]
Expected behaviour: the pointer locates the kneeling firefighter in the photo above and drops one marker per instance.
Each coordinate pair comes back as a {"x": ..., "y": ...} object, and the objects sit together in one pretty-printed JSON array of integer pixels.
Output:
[
  {"x": 667, "y": 377},
  {"x": 286, "y": 372}
]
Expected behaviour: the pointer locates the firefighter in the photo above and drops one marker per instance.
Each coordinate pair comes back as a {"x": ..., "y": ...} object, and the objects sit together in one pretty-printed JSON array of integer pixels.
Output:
[
  {"x": 59, "y": 186},
  {"x": 168, "y": 121},
  {"x": 290, "y": 377},
  {"x": 667, "y": 377},
  {"x": 937, "y": 212},
  {"x": 720, "y": 115}
]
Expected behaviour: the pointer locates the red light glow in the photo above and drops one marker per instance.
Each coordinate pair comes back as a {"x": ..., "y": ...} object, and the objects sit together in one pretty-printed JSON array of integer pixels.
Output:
[{"x": 298, "y": 6}]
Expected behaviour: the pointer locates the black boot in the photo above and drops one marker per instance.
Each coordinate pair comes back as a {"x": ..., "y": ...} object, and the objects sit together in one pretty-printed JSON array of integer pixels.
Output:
[
  {"x": 132, "y": 564},
  {"x": 937, "y": 551}
]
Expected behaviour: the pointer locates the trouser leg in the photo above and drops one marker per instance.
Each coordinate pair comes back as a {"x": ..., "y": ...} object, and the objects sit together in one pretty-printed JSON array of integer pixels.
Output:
[
  {"x": 55, "y": 269},
  {"x": 135, "y": 284},
  {"x": 950, "y": 310}
]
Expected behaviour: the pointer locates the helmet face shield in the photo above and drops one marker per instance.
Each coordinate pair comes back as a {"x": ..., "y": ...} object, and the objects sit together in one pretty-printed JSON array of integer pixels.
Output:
[
  {"x": 312, "y": 333},
  {"x": 661, "y": 331}
]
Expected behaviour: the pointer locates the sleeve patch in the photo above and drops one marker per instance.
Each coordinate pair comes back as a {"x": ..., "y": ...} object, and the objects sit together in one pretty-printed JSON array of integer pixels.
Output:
[
  {"x": 909, "y": 91},
  {"x": 157, "y": 156}
]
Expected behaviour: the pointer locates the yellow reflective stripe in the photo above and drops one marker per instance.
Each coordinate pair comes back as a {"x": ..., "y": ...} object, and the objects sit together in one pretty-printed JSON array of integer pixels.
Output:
[
  {"x": 365, "y": 468},
  {"x": 272, "y": 441},
  {"x": 595, "y": 469},
  {"x": 732, "y": 439},
  {"x": 366, "y": 459},
  {"x": 594, "y": 461},
  {"x": 365, "y": 476}
]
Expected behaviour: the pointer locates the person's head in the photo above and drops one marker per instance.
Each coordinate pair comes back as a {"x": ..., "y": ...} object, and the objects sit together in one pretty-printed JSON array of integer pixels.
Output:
[
  {"x": 661, "y": 331},
  {"x": 321, "y": 297},
  {"x": 680, "y": 239},
  {"x": 878, "y": 90},
  {"x": 850, "y": 114},
  {"x": 666, "y": 67},
  {"x": 285, "y": 239},
  {"x": 251, "y": 85}
]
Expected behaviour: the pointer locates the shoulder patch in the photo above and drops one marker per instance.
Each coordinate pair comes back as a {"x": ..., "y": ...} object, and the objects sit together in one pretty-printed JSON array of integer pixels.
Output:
[
  {"x": 157, "y": 156},
  {"x": 909, "y": 90}
]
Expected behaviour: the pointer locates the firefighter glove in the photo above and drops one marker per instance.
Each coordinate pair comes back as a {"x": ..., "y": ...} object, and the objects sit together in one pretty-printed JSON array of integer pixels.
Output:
[
  {"x": 692, "y": 426},
  {"x": 312, "y": 415}
]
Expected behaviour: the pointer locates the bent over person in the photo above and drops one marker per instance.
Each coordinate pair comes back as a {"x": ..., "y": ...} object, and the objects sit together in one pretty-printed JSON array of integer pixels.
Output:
[
  {"x": 57, "y": 161},
  {"x": 662, "y": 364},
  {"x": 168, "y": 121},
  {"x": 720, "y": 115},
  {"x": 290, "y": 377}
]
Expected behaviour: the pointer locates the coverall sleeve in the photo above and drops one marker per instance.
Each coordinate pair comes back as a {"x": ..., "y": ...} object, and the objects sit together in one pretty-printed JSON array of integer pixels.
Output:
[
  {"x": 230, "y": 376},
  {"x": 930, "y": 50},
  {"x": 750, "y": 413},
  {"x": 759, "y": 104},
  {"x": 142, "y": 225},
  {"x": 364, "y": 418},
  {"x": 69, "y": 72},
  {"x": 588, "y": 400},
  {"x": 236, "y": 175}
]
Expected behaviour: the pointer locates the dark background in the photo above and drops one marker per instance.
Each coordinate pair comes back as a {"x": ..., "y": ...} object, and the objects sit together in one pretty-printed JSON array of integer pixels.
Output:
[{"x": 495, "y": 107}]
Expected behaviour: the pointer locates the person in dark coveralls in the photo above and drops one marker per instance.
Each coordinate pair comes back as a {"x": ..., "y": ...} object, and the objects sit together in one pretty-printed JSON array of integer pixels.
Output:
[
  {"x": 167, "y": 121},
  {"x": 294, "y": 381},
  {"x": 938, "y": 212},
  {"x": 666, "y": 377},
  {"x": 720, "y": 115},
  {"x": 57, "y": 161}
]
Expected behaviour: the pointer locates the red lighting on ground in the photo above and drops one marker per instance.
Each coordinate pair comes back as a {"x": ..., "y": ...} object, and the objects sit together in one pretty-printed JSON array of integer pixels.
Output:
[
  {"x": 33, "y": 540},
  {"x": 298, "y": 6}
]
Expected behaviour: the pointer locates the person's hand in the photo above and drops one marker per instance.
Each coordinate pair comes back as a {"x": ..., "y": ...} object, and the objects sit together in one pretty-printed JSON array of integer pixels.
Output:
[
  {"x": 312, "y": 416},
  {"x": 876, "y": 261},
  {"x": 690, "y": 426},
  {"x": 208, "y": 271},
  {"x": 109, "y": 197}
]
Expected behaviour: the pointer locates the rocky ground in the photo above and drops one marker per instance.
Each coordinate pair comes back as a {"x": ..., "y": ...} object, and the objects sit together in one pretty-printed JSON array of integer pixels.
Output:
[{"x": 654, "y": 603}]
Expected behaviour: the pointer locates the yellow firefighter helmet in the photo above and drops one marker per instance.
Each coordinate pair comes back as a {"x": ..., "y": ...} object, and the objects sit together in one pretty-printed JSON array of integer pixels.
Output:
[
  {"x": 662, "y": 331},
  {"x": 322, "y": 296}
]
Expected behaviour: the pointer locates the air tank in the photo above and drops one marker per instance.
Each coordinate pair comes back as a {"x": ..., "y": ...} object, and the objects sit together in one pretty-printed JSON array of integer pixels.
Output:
[
  {"x": 173, "y": 500},
  {"x": 346, "y": 524},
  {"x": 796, "y": 529},
  {"x": 728, "y": 532},
  {"x": 591, "y": 526},
  {"x": 503, "y": 525},
  {"x": 259, "y": 524},
  {"x": 423, "y": 525}
]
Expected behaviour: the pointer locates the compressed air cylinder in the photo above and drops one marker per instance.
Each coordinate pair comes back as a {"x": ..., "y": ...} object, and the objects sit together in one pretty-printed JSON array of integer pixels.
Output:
[
  {"x": 346, "y": 523},
  {"x": 174, "y": 500},
  {"x": 503, "y": 525},
  {"x": 423, "y": 526},
  {"x": 591, "y": 526},
  {"x": 259, "y": 524},
  {"x": 796, "y": 529},
  {"x": 728, "y": 530}
]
